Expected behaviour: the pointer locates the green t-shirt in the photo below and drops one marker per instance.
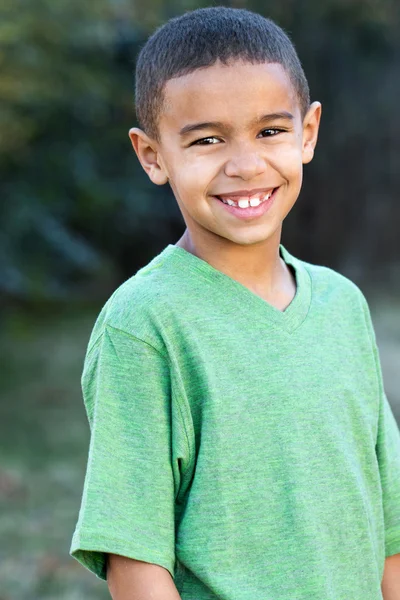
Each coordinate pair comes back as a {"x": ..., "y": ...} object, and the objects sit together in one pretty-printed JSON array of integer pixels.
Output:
[{"x": 250, "y": 451}]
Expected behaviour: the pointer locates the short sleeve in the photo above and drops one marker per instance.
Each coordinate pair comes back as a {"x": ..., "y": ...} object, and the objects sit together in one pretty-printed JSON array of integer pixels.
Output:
[
  {"x": 388, "y": 456},
  {"x": 127, "y": 505}
]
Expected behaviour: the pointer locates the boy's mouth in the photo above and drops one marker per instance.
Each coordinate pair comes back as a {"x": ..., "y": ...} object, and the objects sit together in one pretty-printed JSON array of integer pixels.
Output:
[{"x": 246, "y": 201}]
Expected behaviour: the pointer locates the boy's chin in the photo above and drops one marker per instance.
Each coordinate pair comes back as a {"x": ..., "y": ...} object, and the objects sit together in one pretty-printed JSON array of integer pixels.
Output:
[{"x": 251, "y": 238}]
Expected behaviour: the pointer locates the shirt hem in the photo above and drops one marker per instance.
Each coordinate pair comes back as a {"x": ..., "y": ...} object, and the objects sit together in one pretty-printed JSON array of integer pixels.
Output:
[
  {"x": 392, "y": 543},
  {"x": 89, "y": 551}
]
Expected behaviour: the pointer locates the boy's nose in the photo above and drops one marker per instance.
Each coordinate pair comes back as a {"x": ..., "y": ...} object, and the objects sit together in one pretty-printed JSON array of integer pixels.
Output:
[{"x": 245, "y": 165}]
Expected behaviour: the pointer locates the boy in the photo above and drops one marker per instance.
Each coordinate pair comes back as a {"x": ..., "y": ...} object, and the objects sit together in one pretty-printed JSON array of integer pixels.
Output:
[{"x": 242, "y": 446}]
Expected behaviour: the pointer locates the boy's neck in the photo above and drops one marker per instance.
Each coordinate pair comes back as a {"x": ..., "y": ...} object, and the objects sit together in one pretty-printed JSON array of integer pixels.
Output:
[{"x": 258, "y": 267}]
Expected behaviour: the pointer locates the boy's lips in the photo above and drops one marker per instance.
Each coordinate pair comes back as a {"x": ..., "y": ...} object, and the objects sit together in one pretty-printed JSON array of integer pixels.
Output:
[{"x": 245, "y": 193}]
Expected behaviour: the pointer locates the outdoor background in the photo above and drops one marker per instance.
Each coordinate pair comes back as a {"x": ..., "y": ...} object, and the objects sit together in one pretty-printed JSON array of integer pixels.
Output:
[{"x": 78, "y": 216}]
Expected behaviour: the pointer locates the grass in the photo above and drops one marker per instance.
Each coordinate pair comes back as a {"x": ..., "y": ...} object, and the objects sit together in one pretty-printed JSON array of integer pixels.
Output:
[{"x": 44, "y": 437}]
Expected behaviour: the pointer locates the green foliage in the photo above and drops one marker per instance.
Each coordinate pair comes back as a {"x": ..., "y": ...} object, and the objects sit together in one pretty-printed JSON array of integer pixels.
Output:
[
  {"x": 77, "y": 210},
  {"x": 68, "y": 175}
]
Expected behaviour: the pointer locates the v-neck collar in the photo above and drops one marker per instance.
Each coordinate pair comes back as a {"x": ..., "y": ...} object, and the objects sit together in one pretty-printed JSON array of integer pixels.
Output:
[{"x": 289, "y": 319}]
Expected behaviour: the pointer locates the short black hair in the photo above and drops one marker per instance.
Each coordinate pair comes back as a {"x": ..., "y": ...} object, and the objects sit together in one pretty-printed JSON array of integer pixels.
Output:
[{"x": 201, "y": 37}]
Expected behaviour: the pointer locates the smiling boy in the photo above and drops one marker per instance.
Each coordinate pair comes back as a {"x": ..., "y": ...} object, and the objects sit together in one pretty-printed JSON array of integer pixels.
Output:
[{"x": 242, "y": 446}]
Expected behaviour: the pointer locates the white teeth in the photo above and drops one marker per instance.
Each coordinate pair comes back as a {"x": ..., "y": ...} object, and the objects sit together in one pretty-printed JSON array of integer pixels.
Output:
[{"x": 245, "y": 202}]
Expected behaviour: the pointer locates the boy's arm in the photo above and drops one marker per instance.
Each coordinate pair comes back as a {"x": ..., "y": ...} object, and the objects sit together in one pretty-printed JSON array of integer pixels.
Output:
[
  {"x": 130, "y": 579},
  {"x": 391, "y": 578},
  {"x": 133, "y": 470}
]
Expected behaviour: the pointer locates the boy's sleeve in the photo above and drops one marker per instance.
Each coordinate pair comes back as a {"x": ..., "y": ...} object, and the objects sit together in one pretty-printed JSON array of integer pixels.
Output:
[
  {"x": 388, "y": 455},
  {"x": 127, "y": 503}
]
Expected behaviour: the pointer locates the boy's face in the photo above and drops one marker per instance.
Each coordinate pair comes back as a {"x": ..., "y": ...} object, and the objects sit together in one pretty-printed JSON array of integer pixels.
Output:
[{"x": 251, "y": 140}]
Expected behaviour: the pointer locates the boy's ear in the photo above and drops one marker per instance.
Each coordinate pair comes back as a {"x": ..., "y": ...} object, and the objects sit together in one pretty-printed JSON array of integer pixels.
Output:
[
  {"x": 147, "y": 152},
  {"x": 310, "y": 131}
]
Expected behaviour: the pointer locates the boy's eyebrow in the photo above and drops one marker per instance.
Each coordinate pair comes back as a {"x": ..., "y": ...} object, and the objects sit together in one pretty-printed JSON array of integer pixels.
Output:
[{"x": 218, "y": 125}]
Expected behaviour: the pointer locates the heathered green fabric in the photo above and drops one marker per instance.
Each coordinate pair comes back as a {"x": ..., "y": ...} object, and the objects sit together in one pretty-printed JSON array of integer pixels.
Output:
[{"x": 249, "y": 451}]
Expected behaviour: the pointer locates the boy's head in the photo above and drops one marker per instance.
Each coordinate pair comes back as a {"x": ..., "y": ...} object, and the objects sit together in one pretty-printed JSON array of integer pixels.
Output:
[
  {"x": 229, "y": 75},
  {"x": 199, "y": 39}
]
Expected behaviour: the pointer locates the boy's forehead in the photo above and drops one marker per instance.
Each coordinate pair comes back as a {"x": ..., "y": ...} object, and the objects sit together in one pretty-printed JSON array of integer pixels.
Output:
[{"x": 239, "y": 91}]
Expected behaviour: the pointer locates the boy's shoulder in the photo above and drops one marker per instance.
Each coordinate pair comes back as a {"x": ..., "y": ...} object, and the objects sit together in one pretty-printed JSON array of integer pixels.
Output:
[
  {"x": 330, "y": 286},
  {"x": 136, "y": 306}
]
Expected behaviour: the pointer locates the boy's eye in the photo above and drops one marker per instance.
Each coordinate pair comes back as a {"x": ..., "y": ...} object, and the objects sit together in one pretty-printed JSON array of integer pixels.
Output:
[
  {"x": 204, "y": 141},
  {"x": 272, "y": 131}
]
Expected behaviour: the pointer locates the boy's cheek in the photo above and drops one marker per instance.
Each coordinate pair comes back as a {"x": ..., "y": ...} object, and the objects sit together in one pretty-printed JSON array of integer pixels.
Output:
[
  {"x": 289, "y": 153},
  {"x": 197, "y": 178},
  {"x": 286, "y": 162},
  {"x": 188, "y": 189}
]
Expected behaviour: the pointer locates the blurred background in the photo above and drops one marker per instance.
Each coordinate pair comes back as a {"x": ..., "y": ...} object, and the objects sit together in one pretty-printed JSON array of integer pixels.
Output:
[{"x": 79, "y": 216}]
